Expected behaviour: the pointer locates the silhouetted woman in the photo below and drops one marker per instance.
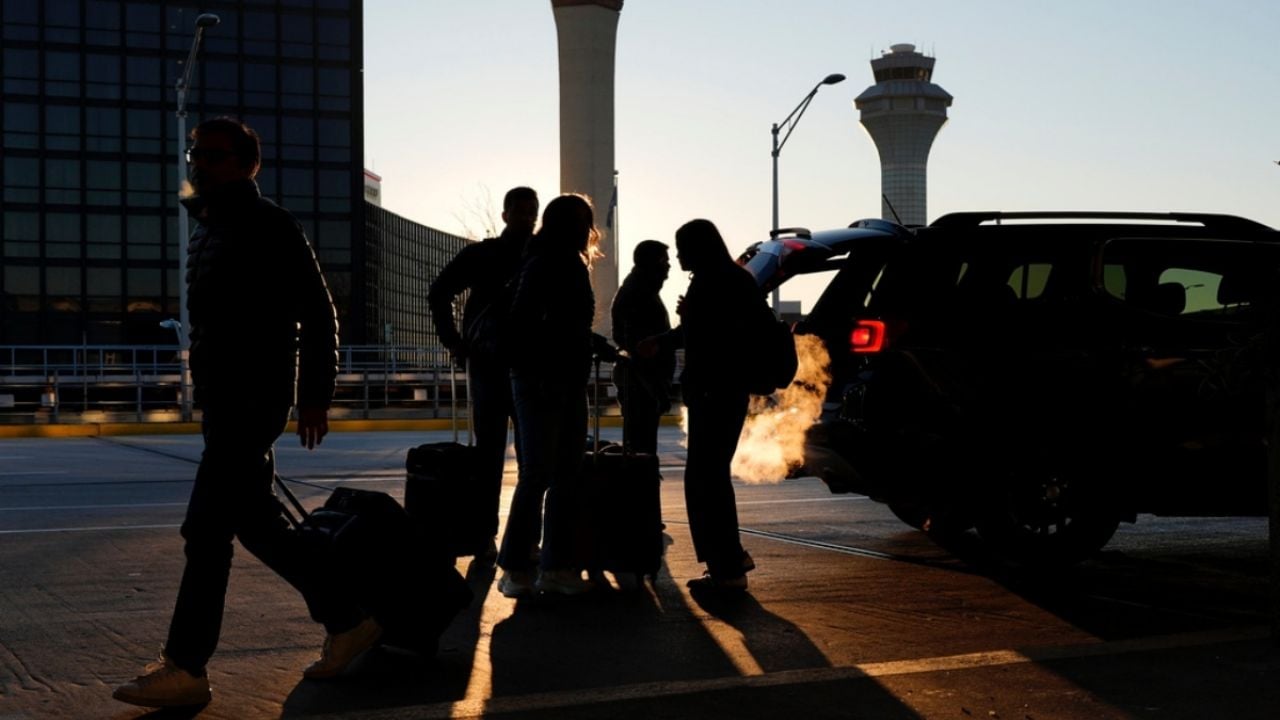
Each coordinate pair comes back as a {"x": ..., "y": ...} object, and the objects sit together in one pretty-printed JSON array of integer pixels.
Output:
[
  {"x": 715, "y": 326},
  {"x": 550, "y": 323}
]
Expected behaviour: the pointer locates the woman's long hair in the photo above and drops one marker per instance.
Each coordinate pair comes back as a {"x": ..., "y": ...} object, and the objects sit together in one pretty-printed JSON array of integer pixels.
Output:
[
  {"x": 701, "y": 246},
  {"x": 568, "y": 225}
]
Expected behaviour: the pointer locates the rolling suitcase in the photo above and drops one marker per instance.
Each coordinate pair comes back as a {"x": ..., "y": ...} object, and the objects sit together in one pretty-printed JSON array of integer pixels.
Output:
[
  {"x": 404, "y": 579},
  {"x": 623, "y": 505},
  {"x": 440, "y": 491}
]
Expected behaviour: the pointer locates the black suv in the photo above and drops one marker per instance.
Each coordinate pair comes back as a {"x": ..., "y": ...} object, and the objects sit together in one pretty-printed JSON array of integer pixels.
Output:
[{"x": 1040, "y": 376}]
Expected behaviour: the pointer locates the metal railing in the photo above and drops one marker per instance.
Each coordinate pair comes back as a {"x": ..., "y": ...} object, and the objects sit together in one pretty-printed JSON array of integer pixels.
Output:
[{"x": 141, "y": 383}]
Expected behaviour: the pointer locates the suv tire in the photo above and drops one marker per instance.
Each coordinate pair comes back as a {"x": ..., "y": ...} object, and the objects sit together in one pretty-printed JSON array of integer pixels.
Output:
[{"x": 1046, "y": 518}]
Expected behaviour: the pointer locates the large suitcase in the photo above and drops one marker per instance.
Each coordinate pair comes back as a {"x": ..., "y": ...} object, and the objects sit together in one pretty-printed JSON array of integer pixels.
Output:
[
  {"x": 440, "y": 491},
  {"x": 622, "y": 505},
  {"x": 403, "y": 578}
]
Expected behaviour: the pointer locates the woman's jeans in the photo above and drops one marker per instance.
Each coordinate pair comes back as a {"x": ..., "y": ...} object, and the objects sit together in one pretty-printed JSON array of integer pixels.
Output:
[{"x": 551, "y": 415}]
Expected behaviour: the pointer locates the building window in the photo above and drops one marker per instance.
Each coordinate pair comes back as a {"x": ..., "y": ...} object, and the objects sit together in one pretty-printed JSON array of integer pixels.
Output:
[
  {"x": 298, "y": 87},
  {"x": 22, "y": 180},
  {"x": 297, "y": 35},
  {"x": 142, "y": 22},
  {"x": 62, "y": 235},
  {"x": 102, "y": 129},
  {"x": 62, "y": 127},
  {"x": 21, "y": 125},
  {"x": 21, "y": 71},
  {"x": 142, "y": 128},
  {"x": 62, "y": 74},
  {"x": 62, "y": 181},
  {"x": 142, "y": 184},
  {"x": 21, "y": 234},
  {"x": 102, "y": 236},
  {"x": 142, "y": 76},
  {"x": 142, "y": 237}
]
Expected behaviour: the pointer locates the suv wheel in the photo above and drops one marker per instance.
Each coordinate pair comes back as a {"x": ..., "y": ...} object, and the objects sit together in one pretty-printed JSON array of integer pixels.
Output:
[{"x": 1046, "y": 518}]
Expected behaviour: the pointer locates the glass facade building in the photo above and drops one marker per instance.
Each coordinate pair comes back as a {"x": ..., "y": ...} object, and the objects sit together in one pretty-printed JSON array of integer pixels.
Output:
[
  {"x": 403, "y": 258},
  {"x": 88, "y": 209}
]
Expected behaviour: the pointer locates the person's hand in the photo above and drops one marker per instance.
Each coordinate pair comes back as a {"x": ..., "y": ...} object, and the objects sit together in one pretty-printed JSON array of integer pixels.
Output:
[
  {"x": 647, "y": 347},
  {"x": 313, "y": 425}
]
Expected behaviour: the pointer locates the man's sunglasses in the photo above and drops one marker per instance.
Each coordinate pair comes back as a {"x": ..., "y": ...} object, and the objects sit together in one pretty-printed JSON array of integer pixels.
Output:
[{"x": 213, "y": 155}]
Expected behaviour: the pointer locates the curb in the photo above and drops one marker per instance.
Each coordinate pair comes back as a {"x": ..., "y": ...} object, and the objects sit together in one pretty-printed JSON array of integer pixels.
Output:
[{"x": 81, "y": 430}]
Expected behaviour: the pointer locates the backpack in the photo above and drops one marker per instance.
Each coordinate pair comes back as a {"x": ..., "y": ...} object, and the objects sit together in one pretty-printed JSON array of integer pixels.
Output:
[
  {"x": 772, "y": 360},
  {"x": 488, "y": 335}
]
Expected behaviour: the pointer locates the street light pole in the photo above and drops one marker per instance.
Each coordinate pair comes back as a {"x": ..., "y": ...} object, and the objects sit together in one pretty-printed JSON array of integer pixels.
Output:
[
  {"x": 205, "y": 20},
  {"x": 790, "y": 124}
]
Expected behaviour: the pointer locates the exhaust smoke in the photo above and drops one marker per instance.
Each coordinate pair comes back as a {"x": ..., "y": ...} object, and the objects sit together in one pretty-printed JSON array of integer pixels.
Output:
[{"x": 772, "y": 441}]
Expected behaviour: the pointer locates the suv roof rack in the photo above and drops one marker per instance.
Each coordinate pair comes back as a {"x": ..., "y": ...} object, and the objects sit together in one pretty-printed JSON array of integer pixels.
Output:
[{"x": 1208, "y": 220}]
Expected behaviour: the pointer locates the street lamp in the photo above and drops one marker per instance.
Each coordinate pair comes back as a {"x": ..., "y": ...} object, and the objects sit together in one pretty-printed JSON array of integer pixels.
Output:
[
  {"x": 790, "y": 122},
  {"x": 205, "y": 20}
]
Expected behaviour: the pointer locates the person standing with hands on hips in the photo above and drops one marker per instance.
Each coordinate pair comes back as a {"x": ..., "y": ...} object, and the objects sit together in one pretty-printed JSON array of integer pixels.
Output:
[{"x": 485, "y": 269}]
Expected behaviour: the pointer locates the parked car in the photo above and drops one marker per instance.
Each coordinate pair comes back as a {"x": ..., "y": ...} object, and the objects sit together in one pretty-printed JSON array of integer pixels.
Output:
[{"x": 1040, "y": 376}]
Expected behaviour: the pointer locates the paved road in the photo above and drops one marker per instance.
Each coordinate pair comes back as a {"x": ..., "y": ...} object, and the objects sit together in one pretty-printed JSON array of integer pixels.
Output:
[{"x": 851, "y": 614}]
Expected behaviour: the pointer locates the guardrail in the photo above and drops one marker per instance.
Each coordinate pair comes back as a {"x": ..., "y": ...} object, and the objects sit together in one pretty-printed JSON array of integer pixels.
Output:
[{"x": 132, "y": 383}]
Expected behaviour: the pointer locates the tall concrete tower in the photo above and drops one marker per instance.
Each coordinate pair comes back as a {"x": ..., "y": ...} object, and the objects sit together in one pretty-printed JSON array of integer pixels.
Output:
[
  {"x": 587, "y": 31},
  {"x": 903, "y": 112}
]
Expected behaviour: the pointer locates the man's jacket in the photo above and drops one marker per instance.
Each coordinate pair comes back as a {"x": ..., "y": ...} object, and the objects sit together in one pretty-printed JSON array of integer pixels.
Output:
[
  {"x": 484, "y": 269},
  {"x": 261, "y": 314}
]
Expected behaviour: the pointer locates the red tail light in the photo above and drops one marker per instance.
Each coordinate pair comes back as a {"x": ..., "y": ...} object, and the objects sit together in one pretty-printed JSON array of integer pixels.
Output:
[{"x": 867, "y": 336}]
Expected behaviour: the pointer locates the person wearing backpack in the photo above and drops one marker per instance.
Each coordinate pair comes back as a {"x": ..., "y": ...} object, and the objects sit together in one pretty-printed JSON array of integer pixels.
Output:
[
  {"x": 485, "y": 269},
  {"x": 718, "y": 317}
]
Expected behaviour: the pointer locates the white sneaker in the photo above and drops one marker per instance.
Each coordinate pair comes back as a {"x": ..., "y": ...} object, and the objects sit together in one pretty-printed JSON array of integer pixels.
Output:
[
  {"x": 516, "y": 583},
  {"x": 563, "y": 582},
  {"x": 163, "y": 684}
]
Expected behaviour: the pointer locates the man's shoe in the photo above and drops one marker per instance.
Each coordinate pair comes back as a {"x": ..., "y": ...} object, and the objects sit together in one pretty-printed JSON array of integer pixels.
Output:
[
  {"x": 163, "y": 684},
  {"x": 341, "y": 649},
  {"x": 563, "y": 582},
  {"x": 714, "y": 584},
  {"x": 516, "y": 583}
]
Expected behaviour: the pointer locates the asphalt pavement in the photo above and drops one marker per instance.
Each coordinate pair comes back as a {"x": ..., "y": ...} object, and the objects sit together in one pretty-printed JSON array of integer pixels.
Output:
[{"x": 850, "y": 613}]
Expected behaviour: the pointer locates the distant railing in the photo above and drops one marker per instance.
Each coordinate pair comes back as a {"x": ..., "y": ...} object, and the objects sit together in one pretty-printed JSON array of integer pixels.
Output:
[{"x": 141, "y": 383}]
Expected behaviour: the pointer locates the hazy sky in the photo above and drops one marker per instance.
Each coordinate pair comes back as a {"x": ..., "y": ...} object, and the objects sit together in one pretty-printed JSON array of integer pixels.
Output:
[{"x": 1156, "y": 105}]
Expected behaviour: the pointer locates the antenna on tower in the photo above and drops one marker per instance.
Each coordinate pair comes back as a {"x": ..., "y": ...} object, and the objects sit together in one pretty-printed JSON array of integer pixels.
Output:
[{"x": 890, "y": 205}]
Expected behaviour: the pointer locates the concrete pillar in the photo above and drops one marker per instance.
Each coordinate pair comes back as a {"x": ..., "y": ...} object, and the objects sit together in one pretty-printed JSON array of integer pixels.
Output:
[{"x": 586, "y": 31}]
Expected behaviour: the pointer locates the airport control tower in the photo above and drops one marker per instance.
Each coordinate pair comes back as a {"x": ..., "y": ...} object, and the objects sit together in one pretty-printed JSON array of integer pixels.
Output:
[
  {"x": 586, "y": 31},
  {"x": 903, "y": 112}
]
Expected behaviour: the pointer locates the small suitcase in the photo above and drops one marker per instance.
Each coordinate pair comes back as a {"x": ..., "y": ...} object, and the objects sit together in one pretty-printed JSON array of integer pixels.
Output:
[
  {"x": 440, "y": 491},
  {"x": 622, "y": 505},
  {"x": 403, "y": 578}
]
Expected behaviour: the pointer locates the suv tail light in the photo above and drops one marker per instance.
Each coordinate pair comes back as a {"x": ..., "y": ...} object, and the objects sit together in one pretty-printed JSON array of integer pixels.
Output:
[{"x": 867, "y": 336}]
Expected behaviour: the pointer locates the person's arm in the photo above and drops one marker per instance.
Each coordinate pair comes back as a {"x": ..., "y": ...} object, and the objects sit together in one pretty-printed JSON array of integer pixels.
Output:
[
  {"x": 453, "y": 280},
  {"x": 317, "y": 341}
]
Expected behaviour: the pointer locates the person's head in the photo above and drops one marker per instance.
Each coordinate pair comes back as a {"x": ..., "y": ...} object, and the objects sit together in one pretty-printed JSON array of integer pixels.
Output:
[
  {"x": 223, "y": 150},
  {"x": 699, "y": 246},
  {"x": 520, "y": 210},
  {"x": 568, "y": 223},
  {"x": 651, "y": 259}
]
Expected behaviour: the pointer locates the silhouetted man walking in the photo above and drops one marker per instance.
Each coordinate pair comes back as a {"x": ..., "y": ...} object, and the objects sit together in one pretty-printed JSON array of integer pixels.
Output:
[{"x": 261, "y": 315}]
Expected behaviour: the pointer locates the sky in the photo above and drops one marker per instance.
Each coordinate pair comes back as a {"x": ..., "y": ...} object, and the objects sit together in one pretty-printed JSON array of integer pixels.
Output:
[{"x": 1151, "y": 105}]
